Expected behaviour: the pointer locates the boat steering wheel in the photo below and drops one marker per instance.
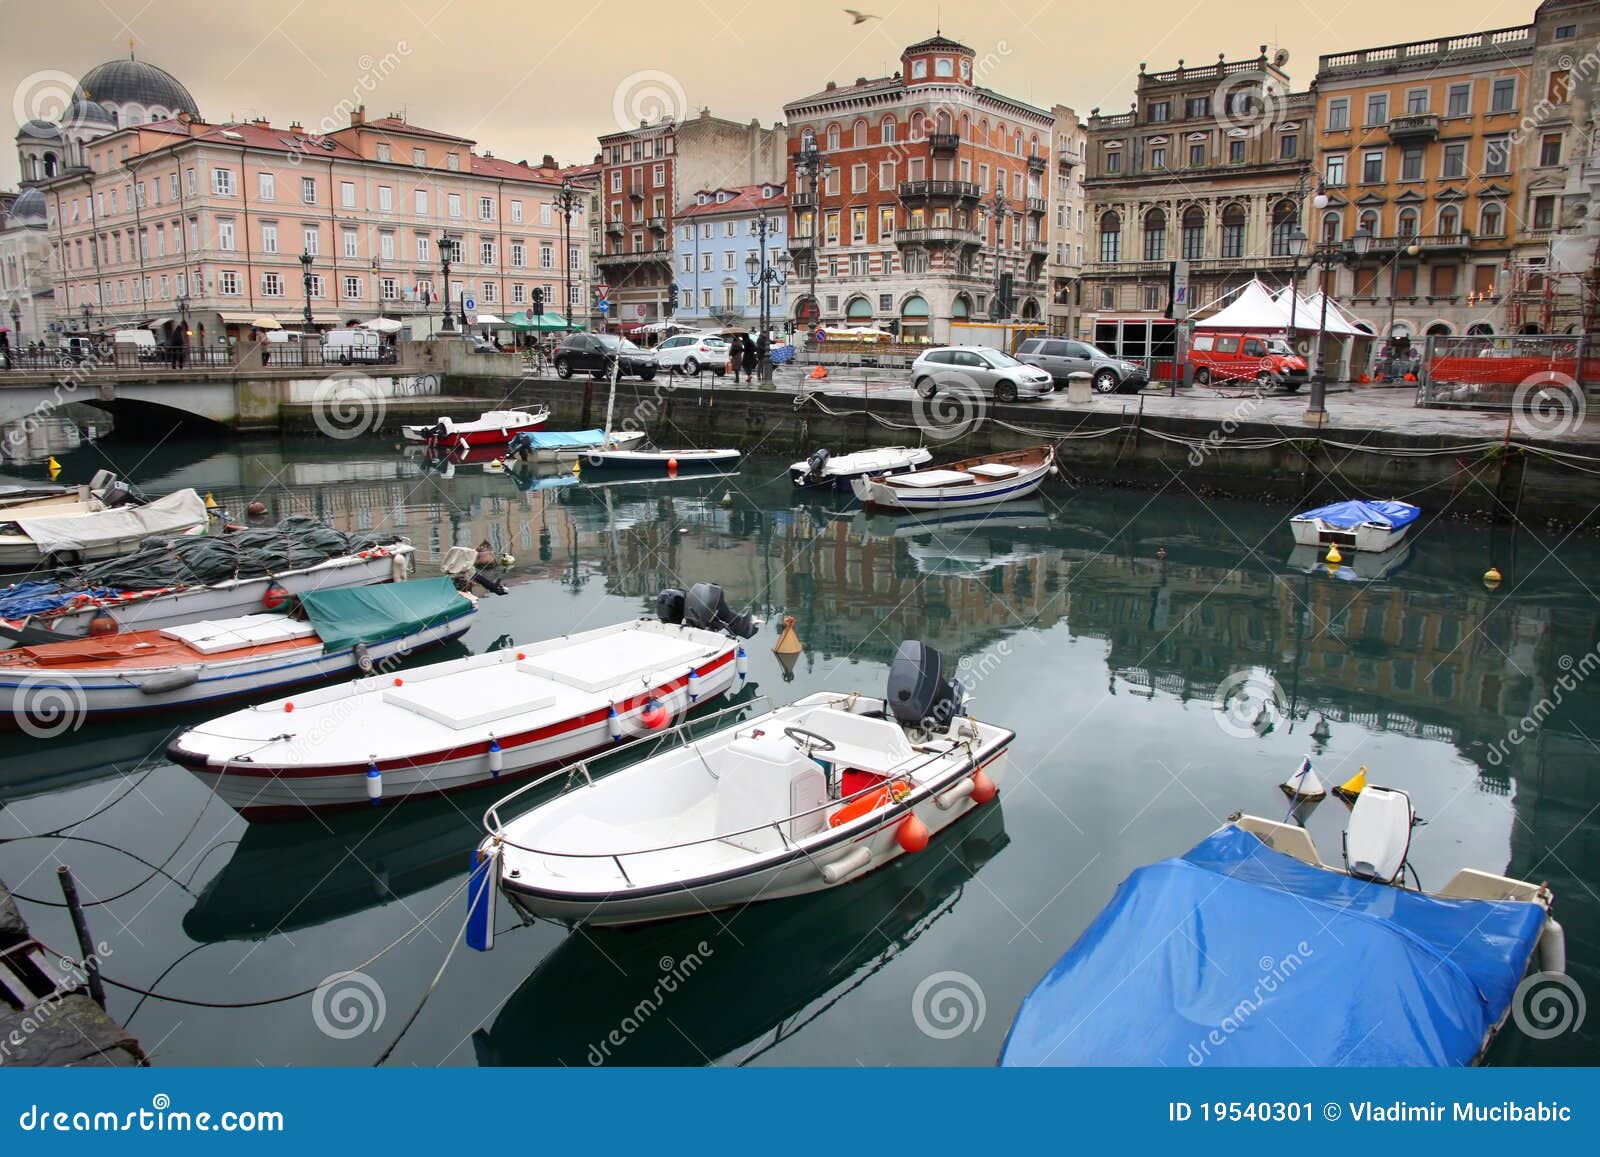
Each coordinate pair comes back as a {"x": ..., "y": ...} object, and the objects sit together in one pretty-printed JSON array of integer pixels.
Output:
[{"x": 810, "y": 740}]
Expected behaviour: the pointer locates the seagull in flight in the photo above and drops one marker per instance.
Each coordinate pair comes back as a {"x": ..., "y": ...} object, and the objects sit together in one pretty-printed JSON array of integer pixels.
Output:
[{"x": 857, "y": 17}]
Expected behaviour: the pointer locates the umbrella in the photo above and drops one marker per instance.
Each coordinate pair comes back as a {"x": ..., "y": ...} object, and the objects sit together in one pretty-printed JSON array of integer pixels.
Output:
[
  {"x": 267, "y": 323},
  {"x": 382, "y": 325}
]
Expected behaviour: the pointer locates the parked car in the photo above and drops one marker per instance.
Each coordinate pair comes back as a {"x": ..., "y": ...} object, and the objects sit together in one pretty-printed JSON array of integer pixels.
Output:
[
  {"x": 689, "y": 353},
  {"x": 592, "y": 353},
  {"x": 980, "y": 370},
  {"x": 1235, "y": 357},
  {"x": 347, "y": 346},
  {"x": 1061, "y": 358},
  {"x": 74, "y": 350}
]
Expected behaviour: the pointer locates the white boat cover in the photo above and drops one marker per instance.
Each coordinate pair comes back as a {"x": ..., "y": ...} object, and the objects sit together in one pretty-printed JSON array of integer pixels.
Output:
[
  {"x": 176, "y": 513},
  {"x": 218, "y": 635}
]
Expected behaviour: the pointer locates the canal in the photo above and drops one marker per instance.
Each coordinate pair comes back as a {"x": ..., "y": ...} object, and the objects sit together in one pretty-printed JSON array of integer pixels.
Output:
[{"x": 1101, "y": 625}]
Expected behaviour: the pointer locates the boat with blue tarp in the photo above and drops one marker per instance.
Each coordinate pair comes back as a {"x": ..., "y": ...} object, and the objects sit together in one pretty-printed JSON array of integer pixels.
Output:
[{"x": 1357, "y": 524}]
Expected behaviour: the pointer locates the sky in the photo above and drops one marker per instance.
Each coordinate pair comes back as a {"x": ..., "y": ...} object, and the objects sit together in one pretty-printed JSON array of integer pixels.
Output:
[{"x": 529, "y": 78}]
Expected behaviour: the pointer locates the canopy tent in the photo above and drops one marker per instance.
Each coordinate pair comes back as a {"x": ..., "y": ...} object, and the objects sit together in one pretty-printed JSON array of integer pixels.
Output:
[
  {"x": 489, "y": 319},
  {"x": 1252, "y": 307},
  {"x": 1308, "y": 315},
  {"x": 527, "y": 320},
  {"x": 382, "y": 325}
]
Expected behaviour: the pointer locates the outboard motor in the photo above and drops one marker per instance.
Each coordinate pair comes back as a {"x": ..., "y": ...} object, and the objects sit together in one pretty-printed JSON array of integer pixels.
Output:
[
  {"x": 669, "y": 606},
  {"x": 706, "y": 607},
  {"x": 815, "y": 465},
  {"x": 1377, "y": 840},
  {"x": 919, "y": 695}
]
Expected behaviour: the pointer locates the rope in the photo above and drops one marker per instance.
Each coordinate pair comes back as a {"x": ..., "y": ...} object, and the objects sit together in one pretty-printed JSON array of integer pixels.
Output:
[{"x": 433, "y": 984}]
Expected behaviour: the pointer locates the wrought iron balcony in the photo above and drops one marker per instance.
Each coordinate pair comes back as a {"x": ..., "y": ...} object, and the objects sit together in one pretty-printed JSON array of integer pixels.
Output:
[
  {"x": 656, "y": 224},
  {"x": 944, "y": 142},
  {"x": 939, "y": 190},
  {"x": 938, "y": 235},
  {"x": 1037, "y": 162},
  {"x": 1415, "y": 127}
]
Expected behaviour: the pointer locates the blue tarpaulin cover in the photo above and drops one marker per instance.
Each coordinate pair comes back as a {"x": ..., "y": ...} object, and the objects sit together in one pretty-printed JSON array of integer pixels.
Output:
[
  {"x": 40, "y": 596},
  {"x": 1358, "y": 513},
  {"x": 1237, "y": 955},
  {"x": 557, "y": 439}
]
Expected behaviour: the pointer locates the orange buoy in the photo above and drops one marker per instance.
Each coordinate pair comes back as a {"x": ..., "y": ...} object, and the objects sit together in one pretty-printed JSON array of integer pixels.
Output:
[
  {"x": 288, "y": 707},
  {"x": 399, "y": 682},
  {"x": 102, "y": 625},
  {"x": 672, "y": 465},
  {"x": 869, "y": 802},
  {"x": 655, "y": 715},
  {"x": 521, "y": 655},
  {"x": 912, "y": 834},
  {"x": 983, "y": 788}
]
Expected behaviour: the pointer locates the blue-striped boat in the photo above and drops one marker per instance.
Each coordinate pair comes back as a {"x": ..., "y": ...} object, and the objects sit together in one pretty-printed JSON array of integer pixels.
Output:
[{"x": 980, "y": 481}]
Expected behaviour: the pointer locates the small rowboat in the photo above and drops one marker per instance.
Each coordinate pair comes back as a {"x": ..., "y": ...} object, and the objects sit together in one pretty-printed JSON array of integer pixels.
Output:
[
  {"x": 471, "y": 721},
  {"x": 970, "y": 482},
  {"x": 823, "y": 471},
  {"x": 796, "y": 800},
  {"x": 180, "y": 666},
  {"x": 493, "y": 428},
  {"x": 568, "y": 446},
  {"x": 645, "y": 462},
  {"x": 1355, "y": 525},
  {"x": 1242, "y": 952}
]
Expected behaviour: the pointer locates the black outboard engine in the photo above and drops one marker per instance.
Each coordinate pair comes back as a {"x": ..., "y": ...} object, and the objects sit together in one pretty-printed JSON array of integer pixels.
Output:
[
  {"x": 815, "y": 466},
  {"x": 669, "y": 606},
  {"x": 919, "y": 694},
  {"x": 706, "y": 607}
]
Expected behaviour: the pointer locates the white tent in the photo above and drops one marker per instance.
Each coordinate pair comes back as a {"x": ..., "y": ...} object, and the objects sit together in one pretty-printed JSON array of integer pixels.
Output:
[
  {"x": 382, "y": 325},
  {"x": 1252, "y": 307},
  {"x": 1308, "y": 314},
  {"x": 489, "y": 319}
]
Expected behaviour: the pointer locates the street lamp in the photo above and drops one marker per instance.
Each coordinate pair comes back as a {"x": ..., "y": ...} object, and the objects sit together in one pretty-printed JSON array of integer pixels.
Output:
[
  {"x": 305, "y": 276},
  {"x": 1298, "y": 242},
  {"x": 1326, "y": 256},
  {"x": 1408, "y": 251},
  {"x": 812, "y": 164},
  {"x": 761, "y": 277},
  {"x": 449, "y": 325},
  {"x": 566, "y": 203},
  {"x": 1000, "y": 209}
]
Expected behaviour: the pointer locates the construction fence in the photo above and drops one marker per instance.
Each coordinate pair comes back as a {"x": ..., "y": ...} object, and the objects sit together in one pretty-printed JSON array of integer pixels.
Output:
[{"x": 1502, "y": 372}]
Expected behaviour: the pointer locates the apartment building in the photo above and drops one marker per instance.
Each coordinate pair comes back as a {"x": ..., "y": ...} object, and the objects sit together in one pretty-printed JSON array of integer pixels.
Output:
[
  {"x": 714, "y": 237},
  {"x": 1067, "y": 207},
  {"x": 919, "y": 198}
]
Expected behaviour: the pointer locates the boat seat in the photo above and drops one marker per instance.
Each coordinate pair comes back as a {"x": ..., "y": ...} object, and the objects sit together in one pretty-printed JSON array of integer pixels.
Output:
[
  {"x": 605, "y": 662},
  {"x": 927, "y": 478},
  {"x": 764, "y": 779},
  {"x": 994, "y": 470},
  {"x": 867, "y": 745}
]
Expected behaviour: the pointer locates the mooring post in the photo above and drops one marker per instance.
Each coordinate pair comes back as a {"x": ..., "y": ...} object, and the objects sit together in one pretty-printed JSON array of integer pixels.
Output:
[{"x": 80, "y": 925}]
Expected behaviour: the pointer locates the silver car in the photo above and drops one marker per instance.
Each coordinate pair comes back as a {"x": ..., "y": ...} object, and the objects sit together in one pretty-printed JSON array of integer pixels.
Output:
[
  {"x": 1061, "y": 358},
  {"x": 977, "y": 370}
]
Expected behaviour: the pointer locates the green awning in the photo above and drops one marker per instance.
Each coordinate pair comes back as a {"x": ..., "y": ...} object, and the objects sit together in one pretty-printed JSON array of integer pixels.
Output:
[
  {"x": 350, "y": 615},
  {"x": 524, "y": 319}
]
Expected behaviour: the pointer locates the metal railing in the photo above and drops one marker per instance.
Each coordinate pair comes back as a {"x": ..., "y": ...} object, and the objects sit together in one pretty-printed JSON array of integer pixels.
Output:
[{"x": 162, "y": 359}]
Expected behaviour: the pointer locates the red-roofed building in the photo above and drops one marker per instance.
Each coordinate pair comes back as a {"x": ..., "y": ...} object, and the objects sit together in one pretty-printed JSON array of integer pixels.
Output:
[{"x": 713, "y": 237}]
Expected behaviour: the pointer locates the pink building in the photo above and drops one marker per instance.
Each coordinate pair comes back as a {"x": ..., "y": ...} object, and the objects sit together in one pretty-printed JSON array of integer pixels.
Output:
[{"x": 210, "y": 226}]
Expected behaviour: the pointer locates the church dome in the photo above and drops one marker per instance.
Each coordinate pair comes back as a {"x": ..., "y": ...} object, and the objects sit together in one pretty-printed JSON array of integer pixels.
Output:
[
  {"x": 28, "y": 208},
  {"x": 39, "y": 130},
  {"x": 123, "y": 83}
]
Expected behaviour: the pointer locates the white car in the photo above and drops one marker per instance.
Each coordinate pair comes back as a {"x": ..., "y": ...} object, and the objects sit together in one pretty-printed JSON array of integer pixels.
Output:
[
  {"x": 690, "y": 353},
  {"x": 978, "y": 370}
]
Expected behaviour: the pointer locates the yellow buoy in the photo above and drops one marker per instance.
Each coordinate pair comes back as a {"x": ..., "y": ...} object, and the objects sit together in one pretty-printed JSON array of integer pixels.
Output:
[
  {"x": 1334, "y": 557},
  {"x": 211, "y": 502},
  {"x": 788, "y": 643},
  {"x": 1492, "y": 577},
  {"x": 55, "y": 469},
  {"x": 1350, "y": 788}
]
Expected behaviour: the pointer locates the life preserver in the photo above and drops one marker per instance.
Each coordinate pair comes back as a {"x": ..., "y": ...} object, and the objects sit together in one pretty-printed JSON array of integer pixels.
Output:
[{"x": 870, "y": 802}]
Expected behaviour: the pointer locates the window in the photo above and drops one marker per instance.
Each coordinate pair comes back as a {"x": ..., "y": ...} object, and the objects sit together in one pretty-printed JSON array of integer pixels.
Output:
[
  {"x": 1233, "y": 231},
  {"x": 1338, "y": 114},
  {"x": 1416, "y": 101},
  {"x": 386, "y": 246},
  {"x": 308, "y": 191},
  {"x": 885, "y": 222},
  {"x": 486, "y": 208},
  {"x": 419, "y": 202},
  {"x": 1406, "y": 223},
  {"x": 347, "y": 195},
  {"x": 519, "y": 256},
  {"x": 486, "y": 252},
  {"x": 1377, "y": 108},
  {"x": 1333, "y": 169},
  {"x": 266, "y": 187},
  {"x": 1559, "y": 84},
  {"x": 1550, "y": 149},
  {"x": 1372, "y": 168},
  {"x": 1455, "y": 160},
  {"x": 1194, "y": 233},
  {"x": 1160, "y": 111},
  {"x": 224, "y": 238},
  {"x": 1411, "y": 164},
  {"x": 385, "y": 199},
  {"x": 311, "y": 240},
  {"x": 221, "y": 183},
  {"x": 419, "y": 157},
  {"x": 1110, "y": 237},
  {"x": 384, "y": 153},
  {"x": 1158, "y": 156},
  {"x": 350, "y": 242},
  {"x": 1155, "y": 235},
  {"x": 1288, "y": 146},
  {"x": 271, "y": 285},
  {"x": 228, "y": 283},
  {"x": 389, "y": 289},
  {"x": 1404, "y": 283},
  {"x": 1458, "y": 100},
  {"x": 1198, "y": 106},
  {"x": 546, "y": 257},
  {"x": 1197, "y": 154},
  {"x": 1496, "y": 155},
  {"x": 1332, "y": 228},
  {"x": 1503, "y": 96},
  {"x": 269, "y": 238},
  {"x": 1491, "y": 221},
  {"x": 516, "y": 213},
  {"x": 1544, "y": 212},
  {"x": 1449, "y": 221},
  {"x": 352, "y": 287},
  {"x": 455, "y": 205},
  {"x": 1283, "y": 223},
  {"x": 1113, "y": 160},
  {"x": 1236, "y": 152},
  {"x": 422, "y": 248},
  {"x": 452, "y": 161}
]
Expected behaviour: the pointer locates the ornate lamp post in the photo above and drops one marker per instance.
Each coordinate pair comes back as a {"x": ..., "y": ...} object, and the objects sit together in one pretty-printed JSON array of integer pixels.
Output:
[
  {"x": 449, "y": 325},
  {"x": 306, "y": 326},
  {"x": 811, "y": 163},
  {"x": 1298, "y": 243},
  {"x": 999, "y": 209},
  {"x": 1325, "y": 257},
  {"x": 566, "y": 203},
  {"x": 762, "y": 276}
]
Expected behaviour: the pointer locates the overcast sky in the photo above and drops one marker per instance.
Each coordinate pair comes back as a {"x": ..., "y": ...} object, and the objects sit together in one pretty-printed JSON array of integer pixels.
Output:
[{"x": 532, "y": 77}]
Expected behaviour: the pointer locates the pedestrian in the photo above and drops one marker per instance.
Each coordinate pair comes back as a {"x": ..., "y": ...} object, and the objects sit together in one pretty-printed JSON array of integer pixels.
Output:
[
  {"x": 5, "y": 349},
  {"x": 763, "y": 353},
  {"x": 750, "y": 357},
  {"x": 736, "y": 355}
]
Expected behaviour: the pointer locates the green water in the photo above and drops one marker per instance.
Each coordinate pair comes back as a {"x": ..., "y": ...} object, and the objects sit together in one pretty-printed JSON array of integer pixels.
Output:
[{"x": 1097, "y": 624}]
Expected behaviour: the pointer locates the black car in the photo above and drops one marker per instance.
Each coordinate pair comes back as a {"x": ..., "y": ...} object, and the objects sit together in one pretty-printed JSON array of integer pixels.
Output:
[{"x": 592, "y": 353}]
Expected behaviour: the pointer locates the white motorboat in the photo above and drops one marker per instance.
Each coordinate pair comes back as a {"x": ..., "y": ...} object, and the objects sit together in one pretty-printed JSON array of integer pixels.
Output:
[
  {"x": 799, "y": 799},
  {"x": 75, "y": 536},
  {"x": 564, "y": 447},
  {"x": 823, "y": 471},
  {"x": 979, "y": 481},
  {"x": 672, "y": 462},
  {"x": 491, "y": 428},
  {"x": 467, "y": 722},
  {"x": 1355, "y": 525},
  {"x": 203, "y": 662}
]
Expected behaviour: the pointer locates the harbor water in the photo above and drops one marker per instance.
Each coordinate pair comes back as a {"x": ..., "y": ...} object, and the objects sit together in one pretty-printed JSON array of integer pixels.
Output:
[{"x": 1164, "y": 661}]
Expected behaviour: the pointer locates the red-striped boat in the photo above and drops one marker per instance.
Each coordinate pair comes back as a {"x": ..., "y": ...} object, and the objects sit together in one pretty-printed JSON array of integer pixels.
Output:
[{"x": 492, "y": 428}]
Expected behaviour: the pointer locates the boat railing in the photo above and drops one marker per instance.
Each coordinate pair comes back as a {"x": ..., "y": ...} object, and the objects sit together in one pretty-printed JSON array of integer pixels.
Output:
[
  {"x": 905, "y": 774},
  {"x": 495, "y": 826}
]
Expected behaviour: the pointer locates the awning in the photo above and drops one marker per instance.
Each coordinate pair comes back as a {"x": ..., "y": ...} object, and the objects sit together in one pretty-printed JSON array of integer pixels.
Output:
[
  {"x": 382, "y": 325},
  {"x": 488, "y": 319}
]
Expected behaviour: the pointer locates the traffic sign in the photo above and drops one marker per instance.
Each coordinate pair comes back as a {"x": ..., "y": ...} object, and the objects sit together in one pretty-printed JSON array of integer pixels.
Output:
[
  {"x": 639, "y": 310},
  {"x": 821, "y": 334},
  {"x": 604, "y": 307},
  {"x": 469, "y": 309},
  {"x": 602, "y": 291},
  {"x": 1179, "y": 291}
]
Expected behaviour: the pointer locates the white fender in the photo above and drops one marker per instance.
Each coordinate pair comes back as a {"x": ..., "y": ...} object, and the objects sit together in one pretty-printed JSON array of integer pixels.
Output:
[
  {"x": 170, "y": 681},
  {"x": 954, "y": 794},
  {"x": 852, "y": 861},
  {"x": 1552, "y": 946}
]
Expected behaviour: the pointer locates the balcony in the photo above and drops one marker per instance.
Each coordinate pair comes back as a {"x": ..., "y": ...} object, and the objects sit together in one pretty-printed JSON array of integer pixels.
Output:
[
  {"x": 1037, "y": 246},
  {"x": 656, "y": 224},
  {"x": 613, "y": 260},
  {"x": 635, "y": 193},
  {"x": 1037, "y": 162},
  {"x": 938, "y": 235},
  {"x": 803, "y": 200},
  {"x": 800, "y": 242},
  {"x": 939, "y": 191},
  {"x": 1066, "y": 158},
  {"x": 1037, "y": 205},
  {"x": 1416, "y": 127},
  {"x": 1426, "y": 242},
  {"x": 944, "y": 142}
]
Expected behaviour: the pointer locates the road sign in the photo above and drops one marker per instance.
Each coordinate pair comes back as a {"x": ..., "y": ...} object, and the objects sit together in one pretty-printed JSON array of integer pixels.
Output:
[
  {"x": 639, "y": 310},
  {"x": 821, "y": 334},
  {"x": 602, "y": 291},
  {"x": 1180, "y": 291},
  {"x": 604, "y": 307},
  {"x": 469, "y": 309}
]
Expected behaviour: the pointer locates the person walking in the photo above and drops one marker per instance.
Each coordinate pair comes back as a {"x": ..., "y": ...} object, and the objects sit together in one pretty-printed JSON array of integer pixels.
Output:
[
  {"x": 763, "y": 354},
  {"x": 736, "y": 355},
  {"x": 750, "y": 357}
]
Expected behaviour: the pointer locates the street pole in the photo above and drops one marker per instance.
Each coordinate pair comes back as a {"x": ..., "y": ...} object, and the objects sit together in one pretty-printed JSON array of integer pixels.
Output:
[
  {"x": 449, "y": 325},
  {"x": 305, "y": 274}
]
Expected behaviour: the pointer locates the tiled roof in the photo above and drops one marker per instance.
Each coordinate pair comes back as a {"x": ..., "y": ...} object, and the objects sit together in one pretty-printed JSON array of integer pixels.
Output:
[
  {"x": 256, "y": 136},
  {"x": 510, "y": 170},
  {"x": 841, "y": 91},
  {"x": 746, "y": 199},
  {"x": 392, "y": 124}
]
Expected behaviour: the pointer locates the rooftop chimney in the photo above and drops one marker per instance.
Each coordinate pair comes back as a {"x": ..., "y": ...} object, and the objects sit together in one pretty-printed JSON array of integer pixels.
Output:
[{"x": 358, "y": 115}]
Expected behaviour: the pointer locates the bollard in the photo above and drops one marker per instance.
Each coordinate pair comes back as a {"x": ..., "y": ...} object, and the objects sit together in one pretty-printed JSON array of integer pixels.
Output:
[{"x": 1079, "y": 388}]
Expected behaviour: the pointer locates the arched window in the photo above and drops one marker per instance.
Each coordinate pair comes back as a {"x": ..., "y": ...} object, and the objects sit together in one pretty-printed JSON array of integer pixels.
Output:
[
  {"x": 1406, "y": 223},
  {"x": 983, "y": 131},
  {"x": 1016, "y": 143},
  {"x": 1110, "y": 237},
  {"x": 1480, "y": 329},
  {"x": 1194, "y": 233},
  {"x": 1369, "y": 221},
  {"x": 918, "y": 127},
  {"x": 966, "y": 127},
  {"x": 858, "y": 135},
  {"x": 808, "y": 138},
  {"x": 887, "y": 130},
  {"x": 1233, "y": 231},
  {"x": 1284, "y": 220},
  {"x": 1332, "y": 228},
  {"x": 1449, "y": 221},
  {"x": 833, "y": 137},
  {"x": 1491, "y": 221},
  {"x": 1155, "y": 235},
  {"x": 941, "y": 121}
]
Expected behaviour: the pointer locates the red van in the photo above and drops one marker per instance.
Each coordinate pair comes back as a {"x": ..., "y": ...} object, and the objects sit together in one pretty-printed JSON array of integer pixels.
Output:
[{"x": 1239, "y": 357}]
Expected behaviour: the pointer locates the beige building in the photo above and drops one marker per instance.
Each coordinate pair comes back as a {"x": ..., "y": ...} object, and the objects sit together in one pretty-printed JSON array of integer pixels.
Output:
[{"x": 1067, "y": 207}]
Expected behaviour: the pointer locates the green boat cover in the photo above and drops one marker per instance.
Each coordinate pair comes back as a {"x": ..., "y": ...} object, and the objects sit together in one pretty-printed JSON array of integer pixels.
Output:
[{"x": 351, "y": 615}]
